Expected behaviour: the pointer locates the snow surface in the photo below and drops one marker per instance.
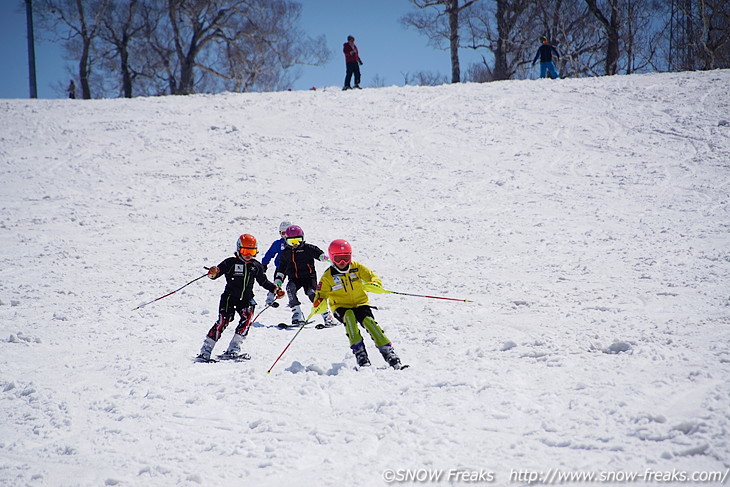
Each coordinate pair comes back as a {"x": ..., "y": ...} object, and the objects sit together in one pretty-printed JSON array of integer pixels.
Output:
[{"x": 587, "y": 218}]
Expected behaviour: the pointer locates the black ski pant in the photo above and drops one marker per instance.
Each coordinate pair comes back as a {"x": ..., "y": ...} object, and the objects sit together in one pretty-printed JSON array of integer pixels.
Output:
[
  {"x": 352, "y": 68},
  {"x": 309, "y": 284}
]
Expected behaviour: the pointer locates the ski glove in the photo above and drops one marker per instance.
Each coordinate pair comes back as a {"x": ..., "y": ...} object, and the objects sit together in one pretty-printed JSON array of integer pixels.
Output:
[
  {"x": 360, "y": 63},
  {"x": 324, "y": 258},
  {"x": 374, "y": 287},
  {"x": 213, "y": 271},
  {"x": 279, "y": 292},
  {"x": 278, "y": 283}
]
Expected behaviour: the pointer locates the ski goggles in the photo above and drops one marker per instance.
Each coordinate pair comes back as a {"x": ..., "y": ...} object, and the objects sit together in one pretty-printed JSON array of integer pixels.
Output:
[
  {"x": 294, "y": 241},
  {"x": 342, "y": 260},
  {"x": 248, "y": 251}
]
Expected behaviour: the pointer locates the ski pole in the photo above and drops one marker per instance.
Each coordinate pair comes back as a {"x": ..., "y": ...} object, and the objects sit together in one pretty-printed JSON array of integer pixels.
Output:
[
  {"x": 306, "y": 322},
  {"x": 168, "y": 294},
  {"x": 287, "y": 347},
  {"x": 375, "y": 288},
  {"x": 270, "y": 305},
  {"x": 432, "y": 297}
]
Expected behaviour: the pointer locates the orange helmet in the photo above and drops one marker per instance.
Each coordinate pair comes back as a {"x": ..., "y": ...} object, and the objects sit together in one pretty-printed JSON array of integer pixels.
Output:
[{"x": 246, "y": 246}]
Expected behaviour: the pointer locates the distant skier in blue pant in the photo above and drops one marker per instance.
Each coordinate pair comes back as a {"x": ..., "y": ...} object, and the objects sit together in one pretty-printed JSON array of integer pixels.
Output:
[{"x": 545, "y": 54}]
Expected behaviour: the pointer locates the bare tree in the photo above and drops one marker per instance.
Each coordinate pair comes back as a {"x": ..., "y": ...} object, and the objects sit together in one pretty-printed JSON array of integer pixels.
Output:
[
  {"x": 78, "y": 23},
  {"x": 195, "y": 25},
  {"x": 259, "y": 50},
  {"x": 236, "y": 45},
  {"x": 570, "y": 27},
  {"x": 123, "y": 27},
  {"x": 610, "y": 19},
  {"x": 424, "y": 78},
  {"x": 699, "y": 34},
  {"x": 501, "y": 27},
  {"x": 439, "y": 21}
]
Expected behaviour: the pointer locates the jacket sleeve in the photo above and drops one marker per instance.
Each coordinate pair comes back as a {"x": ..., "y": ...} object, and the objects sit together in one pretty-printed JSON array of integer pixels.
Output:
[
  {"x": 369, "y": 276},
  {"x": 325, "y": 285},
  {"x": 271, "y": 253},
  {"x": 281, "y": 270},
  {"x": 262, "y": 280},
  {"x": 225, "y": 266},
  {"x": 314, "y": 252}
]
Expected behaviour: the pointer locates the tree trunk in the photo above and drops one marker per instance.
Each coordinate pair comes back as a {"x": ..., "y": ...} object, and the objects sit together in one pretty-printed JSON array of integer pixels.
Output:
[
  {"x": 500, "y": 51},
  {"x": 611, "y": 27},
  {"x": 453, "y": 11},
  {"x": 84, "y": 70},
  {"x": 126, "y": 75}
]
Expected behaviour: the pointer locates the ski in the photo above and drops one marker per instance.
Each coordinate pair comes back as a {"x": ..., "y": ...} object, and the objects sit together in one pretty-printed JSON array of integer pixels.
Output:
[
  {"x": 322, "y": 326},
  {"x": 361, "y": 367},
  {"x": 292, "y": 326},
  {"x": 203, "y": 360},
  {"x": 234, "y": 358}
]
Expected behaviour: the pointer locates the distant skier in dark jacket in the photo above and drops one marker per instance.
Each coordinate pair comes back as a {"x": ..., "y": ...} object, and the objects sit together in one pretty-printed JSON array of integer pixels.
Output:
[
  {"x": 297, "y": 264},
  {"x": 240, "y": 272},
  {"x": 352, "y": 63},
  {"x": 545, "y": 54}
]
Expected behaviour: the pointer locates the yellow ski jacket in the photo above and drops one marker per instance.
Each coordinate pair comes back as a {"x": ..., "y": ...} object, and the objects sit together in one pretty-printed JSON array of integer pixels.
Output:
[{"x": 345, "y": 290}]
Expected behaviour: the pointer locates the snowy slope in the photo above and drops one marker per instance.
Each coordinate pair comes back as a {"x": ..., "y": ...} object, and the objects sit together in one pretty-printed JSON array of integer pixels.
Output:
[{"x": 587, "y": 218}]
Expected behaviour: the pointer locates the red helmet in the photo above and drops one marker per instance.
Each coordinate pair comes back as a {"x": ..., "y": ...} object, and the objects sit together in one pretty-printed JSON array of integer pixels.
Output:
[
  {"x": 340, "y": 252},
  {"x": 246, "y": 246}
]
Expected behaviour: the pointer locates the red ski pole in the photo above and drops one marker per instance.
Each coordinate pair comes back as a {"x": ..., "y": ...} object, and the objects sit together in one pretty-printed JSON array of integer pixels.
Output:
[
  {"x": 432, "y": 297},
  {"x": 287, "y": 347},
  {"x": 376, "y": 288},
  {"x": 168, "y": 294}
]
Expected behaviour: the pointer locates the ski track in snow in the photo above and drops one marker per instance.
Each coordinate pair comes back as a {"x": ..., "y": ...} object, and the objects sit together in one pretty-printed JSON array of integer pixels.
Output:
[{"x": 587, "y": 218}]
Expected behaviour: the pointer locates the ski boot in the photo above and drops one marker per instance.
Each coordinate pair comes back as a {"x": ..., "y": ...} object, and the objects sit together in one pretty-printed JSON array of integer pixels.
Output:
[
  {"x": 297, "y": 317},
  {"x": 205, "y": 350},
  {"x": 329, "y": 321},
  {"x": 390, "y": 356},
  {"x": 361, "y": 355},
  {"x": 234, "y": 350}
]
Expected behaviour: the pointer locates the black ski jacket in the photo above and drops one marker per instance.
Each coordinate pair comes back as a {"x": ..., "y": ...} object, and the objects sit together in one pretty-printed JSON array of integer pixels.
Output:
[
  {"x": 298, "y": 263},
  {"x": 545, "y": 53},
  {"x": 240, "y": 276}
]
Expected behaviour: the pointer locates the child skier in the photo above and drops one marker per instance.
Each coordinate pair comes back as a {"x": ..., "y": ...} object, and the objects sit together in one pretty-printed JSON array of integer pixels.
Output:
[
  {"x": 297, "y": 264},
  {"x": 274, "y": 252},
  {"x": 343, "y": 287},
  {"x": 240, "y": 272}
]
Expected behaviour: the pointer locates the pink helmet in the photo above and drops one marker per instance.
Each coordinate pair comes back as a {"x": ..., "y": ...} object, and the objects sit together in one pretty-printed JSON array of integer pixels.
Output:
[
  {"x": 294, "y": 236},
  {"x": 294, "y": 231}
]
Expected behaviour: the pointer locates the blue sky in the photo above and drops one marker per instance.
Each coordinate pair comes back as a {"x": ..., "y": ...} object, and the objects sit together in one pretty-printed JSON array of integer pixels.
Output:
[{"x": 387, "y": 49}]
